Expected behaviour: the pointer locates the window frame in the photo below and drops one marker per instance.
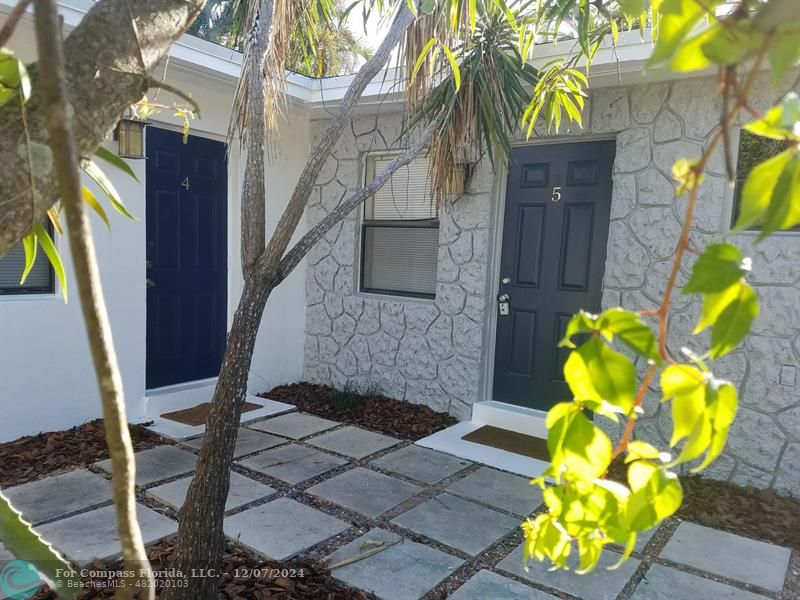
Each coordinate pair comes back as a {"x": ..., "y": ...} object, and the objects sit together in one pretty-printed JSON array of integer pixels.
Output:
[
  {"x": 49, "y": 289},
  {"x": 431, "y": 223}
]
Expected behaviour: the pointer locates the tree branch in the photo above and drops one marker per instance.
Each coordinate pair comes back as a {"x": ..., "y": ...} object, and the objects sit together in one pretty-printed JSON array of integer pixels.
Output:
[
  {"x": 103, "y": 77},
  {"x": 272, "y": 255},
  {"x": 11, "y": 23},
  {"x": 307, "y": 242},
  {"x": 53, "y": 89}
]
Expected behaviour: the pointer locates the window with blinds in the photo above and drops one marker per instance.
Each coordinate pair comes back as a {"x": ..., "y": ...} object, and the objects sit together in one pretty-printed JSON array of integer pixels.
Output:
[
  {"x": 400, "y": 232},
  {"x": 39, "y": 280}
]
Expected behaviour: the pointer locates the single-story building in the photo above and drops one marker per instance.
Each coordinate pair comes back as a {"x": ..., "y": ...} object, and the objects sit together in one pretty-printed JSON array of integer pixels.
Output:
[{"x": 459, "y": 308}]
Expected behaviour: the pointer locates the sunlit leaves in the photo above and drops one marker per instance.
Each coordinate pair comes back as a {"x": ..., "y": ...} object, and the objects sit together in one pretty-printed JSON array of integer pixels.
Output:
[
  {"x": 717, "y": 268},
  {"x": 685, "y": 386},
  {"x": 545, "y": 538},
  {"x": 602, "y": 378},
  {"x": 656, "y": 494},
  {"x": 50, "y": 250},
  {"x": 734, "y": 322},
  {"x": 577, "y": 448},
  {"x": 771, "y": 194},
  {"x": 114, "y": 160},
  {"x": 559, "y": 90},
  {"x": 784, "y": 51},
  {"x": 685, "y": 173},
  {"x": 625, "y": 325},
  {"x": 14, "y": 80},
  {"x": 678, "y": 19},
  {"x": 780, "y": 122}
]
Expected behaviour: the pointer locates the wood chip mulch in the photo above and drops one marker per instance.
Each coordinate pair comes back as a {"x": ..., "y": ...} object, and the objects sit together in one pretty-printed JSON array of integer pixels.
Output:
[
  {"x": 748, "y": 511},
  {"x": 36, "y": 456},
  {"x": 376, "y": 412},
  {"x": 244, "y": 576}
]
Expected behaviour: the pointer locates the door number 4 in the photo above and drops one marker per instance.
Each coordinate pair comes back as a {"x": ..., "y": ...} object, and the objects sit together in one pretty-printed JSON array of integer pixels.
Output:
[
  {"x": 185, "y": 183},
  {"x": 554, "y": 198}
]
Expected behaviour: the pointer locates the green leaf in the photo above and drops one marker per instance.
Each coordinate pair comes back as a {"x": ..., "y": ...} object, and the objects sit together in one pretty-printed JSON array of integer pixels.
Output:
[
  {"x": 544, "y": 538},
  {"x": 53, "y": 256},
  {"x": 631, "y": 330},
  {"x": 421, "y": 58},
  {"x": 686, "y": 387},
  {"x": 598, "y": 375},
  {"x": 758, "y": 189},
  {"x": 111, "y": 158},
  {"x": 14, "y": 79},
  {"x": 722, "y": 407},
  {"x": 698, "y": 441},
  {"x": 730, "y": 45},
  {"x": 677, "y": 19},
  {"x": 90, "y": 199},
  {"x": 784, "y": 52},
  {"x": 577, "y": 447},
  {"x": 783, "y": 211},
  {"x": 453, "y": 66},
  {"x": 93, "y": 171},
  {"x": 655, "y": 495},
  {"x": 581, "y": 322},
  {"x": 734, "y": 323},
  {"x": 29, "y": 244},
  {"x": 716, "y": 302},
  {"x": 716, "y": 269},
  {"x": 22, "y": 541},
  {"x": 638, "y": 450},
  {"x": 781, "y": 122}
]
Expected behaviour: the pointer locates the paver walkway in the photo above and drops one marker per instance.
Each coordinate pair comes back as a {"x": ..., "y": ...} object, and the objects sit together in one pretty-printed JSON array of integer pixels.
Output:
[{"x": 442, "y": 526}]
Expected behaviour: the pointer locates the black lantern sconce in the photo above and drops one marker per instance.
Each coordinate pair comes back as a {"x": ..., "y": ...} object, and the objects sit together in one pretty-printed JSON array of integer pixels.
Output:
[{"x": 129, "y": 135}]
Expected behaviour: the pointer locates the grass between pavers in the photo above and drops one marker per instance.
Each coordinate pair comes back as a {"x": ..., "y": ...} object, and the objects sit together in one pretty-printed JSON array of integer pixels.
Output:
[{"x": 35, "y": 456}]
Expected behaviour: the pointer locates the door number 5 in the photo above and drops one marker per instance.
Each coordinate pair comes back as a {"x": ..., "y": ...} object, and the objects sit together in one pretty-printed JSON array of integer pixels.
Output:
[
  {"x": 185, "y": 184},
  {"x": 554, "y": 198}
]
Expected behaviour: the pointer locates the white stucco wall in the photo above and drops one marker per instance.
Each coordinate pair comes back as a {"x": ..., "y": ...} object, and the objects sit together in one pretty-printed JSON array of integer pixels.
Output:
[{"x": 46, "y": 377}]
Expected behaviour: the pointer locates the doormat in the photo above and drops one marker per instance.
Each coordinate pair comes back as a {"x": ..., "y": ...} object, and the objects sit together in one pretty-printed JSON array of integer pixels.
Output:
[
  {"x": 197, "y": 415},
  {"x": 510, "y": 441}
]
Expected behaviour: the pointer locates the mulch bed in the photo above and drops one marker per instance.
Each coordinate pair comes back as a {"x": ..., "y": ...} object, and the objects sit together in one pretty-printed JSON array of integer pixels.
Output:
[
  {"x": 259, "y": 579},
  {"x": 33, "y": 457},
  {"x": 755, "y": 513},
  {"x": 376, "y": 412}
]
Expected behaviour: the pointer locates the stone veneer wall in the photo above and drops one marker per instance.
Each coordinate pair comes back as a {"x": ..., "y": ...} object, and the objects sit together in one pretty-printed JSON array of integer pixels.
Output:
[{"x": 434, "y": 352}]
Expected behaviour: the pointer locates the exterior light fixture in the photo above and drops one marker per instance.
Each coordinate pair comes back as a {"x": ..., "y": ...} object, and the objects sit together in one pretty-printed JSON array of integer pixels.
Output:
[{"x": 129, "y": 135}]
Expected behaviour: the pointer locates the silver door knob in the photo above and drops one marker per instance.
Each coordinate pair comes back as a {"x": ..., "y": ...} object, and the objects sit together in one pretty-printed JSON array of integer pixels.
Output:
[
  {"x": 503, "y": 298},
  {"x": 150, "y": 283},
  {"x": 505, "y": 280}
]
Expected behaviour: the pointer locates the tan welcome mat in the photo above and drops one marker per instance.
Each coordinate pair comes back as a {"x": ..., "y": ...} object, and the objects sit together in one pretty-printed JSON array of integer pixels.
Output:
[
  {"x": 510, "y": 441},
  {"x": 197, "y": 415}
]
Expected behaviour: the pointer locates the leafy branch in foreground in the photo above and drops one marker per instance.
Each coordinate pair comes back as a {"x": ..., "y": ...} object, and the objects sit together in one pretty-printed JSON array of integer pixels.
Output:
[{"x": 584, "y": 508}]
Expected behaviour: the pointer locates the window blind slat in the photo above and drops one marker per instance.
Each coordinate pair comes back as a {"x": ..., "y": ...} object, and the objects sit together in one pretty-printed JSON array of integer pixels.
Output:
[
  {"x": 407, "y": 195},
  {"x": 400, "y": 259},
  {"x": 13, "y": 264}
]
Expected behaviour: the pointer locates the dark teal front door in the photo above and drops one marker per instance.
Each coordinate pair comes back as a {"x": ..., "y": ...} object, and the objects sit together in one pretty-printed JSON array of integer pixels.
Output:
[
  {"x": 555, "y": 230},
  {"x": 186, "y": 257}
]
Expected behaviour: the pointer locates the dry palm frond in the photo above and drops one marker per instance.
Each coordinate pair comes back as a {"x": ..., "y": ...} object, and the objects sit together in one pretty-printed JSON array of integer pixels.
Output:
[{"x": 269, "y": 26}]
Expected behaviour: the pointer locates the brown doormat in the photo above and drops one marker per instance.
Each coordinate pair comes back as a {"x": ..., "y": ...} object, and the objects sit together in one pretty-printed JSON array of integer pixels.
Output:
[
  {"x": 510, "y": 441},
  {"x": 197, "y": 415}
]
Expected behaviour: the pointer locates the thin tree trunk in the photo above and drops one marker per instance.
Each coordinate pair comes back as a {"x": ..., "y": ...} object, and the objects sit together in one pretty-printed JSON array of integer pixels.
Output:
[
  {"x": 200, "y": 534},
  {"x": 52, "y": 86}
]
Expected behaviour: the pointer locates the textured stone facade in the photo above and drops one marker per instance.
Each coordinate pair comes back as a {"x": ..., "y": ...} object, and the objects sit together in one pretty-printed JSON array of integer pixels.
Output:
[
  {"x": 435, "y": 352},
  {"x": 423, "y": 351}
]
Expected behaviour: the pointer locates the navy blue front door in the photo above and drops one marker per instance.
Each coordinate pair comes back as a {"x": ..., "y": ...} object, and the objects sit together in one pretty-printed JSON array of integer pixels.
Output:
[{"x": 186, "y": 257}]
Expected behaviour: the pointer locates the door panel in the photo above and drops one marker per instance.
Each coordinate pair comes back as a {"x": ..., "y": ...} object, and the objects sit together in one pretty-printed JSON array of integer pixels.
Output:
[
  {"x": 187, "y": 257},
  {"x": 553, "y": 253}
]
